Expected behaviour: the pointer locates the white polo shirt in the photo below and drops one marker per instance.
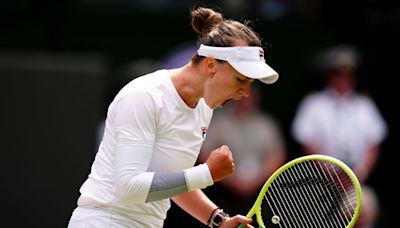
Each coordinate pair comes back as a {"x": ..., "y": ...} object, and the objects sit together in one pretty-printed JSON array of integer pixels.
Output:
[
  {"x": 343, "y": 128},
  {"x": 148, "y": 129}
]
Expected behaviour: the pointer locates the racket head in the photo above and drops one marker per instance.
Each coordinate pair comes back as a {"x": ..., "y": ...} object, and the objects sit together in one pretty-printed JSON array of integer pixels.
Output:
[{"x": 310, "y": 191}]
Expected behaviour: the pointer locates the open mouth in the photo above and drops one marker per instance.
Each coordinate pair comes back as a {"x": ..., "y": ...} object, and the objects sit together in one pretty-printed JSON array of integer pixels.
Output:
[{"x": 225, "y": 102}]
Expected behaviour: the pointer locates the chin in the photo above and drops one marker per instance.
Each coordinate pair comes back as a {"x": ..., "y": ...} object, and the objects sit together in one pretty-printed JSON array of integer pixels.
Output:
[
  {"x": 212, "y": 106},
  {"x": 215, "y": 106}
]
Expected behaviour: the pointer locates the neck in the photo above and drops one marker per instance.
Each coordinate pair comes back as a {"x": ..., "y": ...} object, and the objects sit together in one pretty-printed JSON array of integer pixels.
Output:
[{"x": 188, "y": 84}]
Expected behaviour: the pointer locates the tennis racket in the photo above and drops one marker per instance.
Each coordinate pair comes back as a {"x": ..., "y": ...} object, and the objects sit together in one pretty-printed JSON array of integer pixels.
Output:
[{"x": 310, "y": 191}]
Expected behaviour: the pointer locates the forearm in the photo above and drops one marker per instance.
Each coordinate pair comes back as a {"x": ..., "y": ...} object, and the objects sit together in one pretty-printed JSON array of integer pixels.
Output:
[
  {"x": 195, "y": 203},
  {"x": 137, "y": 188},
  {"x": 137, "y": 185}
]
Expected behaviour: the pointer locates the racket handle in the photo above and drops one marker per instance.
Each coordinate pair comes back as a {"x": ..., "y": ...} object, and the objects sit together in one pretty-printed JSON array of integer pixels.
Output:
[{"x": 241, "y": 226}]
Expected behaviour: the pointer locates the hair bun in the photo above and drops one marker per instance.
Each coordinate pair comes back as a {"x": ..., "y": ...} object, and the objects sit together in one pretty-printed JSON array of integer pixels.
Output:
[{"x": 205, "y": 19}]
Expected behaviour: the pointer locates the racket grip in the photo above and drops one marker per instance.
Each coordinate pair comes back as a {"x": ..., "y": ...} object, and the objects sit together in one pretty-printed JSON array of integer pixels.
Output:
[{"x": 241, "y": 226}]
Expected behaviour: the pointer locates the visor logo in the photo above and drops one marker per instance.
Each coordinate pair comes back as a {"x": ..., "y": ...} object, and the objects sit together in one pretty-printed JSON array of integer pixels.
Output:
[{"x": 261, "y": 53}]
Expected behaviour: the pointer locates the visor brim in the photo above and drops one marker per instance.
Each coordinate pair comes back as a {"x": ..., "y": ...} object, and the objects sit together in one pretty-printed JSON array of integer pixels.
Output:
[{"x": 256, "y": 70}]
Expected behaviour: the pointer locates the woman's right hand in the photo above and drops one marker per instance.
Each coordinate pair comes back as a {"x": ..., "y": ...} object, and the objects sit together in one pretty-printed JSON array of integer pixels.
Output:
[
  {"x": 238, "y": 221},
  {"x": 220, "y": 163}
]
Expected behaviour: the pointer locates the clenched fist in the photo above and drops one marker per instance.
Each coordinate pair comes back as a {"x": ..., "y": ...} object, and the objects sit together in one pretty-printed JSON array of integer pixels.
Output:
[{"x": 220, "y": 162}]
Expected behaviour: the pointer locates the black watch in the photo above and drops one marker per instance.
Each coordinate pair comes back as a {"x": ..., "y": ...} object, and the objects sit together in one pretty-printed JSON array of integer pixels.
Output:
[{"x": 218, "y": 218}]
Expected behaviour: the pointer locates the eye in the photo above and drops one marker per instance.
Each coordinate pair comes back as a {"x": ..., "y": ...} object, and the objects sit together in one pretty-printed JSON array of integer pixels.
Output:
[{"x": 240, "y": 79}]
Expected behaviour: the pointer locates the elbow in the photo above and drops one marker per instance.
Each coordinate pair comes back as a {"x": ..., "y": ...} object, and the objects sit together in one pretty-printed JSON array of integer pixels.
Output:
[{"x": 134, "y": 189}]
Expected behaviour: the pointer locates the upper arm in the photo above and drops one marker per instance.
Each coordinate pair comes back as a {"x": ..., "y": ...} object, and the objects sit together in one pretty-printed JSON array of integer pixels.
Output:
[
  {"x": 135, "y": 131},
  {"x": 136, "y": 118}
]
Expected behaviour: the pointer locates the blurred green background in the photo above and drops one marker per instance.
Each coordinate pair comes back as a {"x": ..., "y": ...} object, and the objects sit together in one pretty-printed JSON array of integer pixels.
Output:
[{"x": 61, "y": 62}]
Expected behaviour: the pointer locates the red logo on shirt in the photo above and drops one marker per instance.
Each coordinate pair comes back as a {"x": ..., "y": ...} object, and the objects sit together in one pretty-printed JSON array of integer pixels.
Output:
[{"x": 203, "y": 132}]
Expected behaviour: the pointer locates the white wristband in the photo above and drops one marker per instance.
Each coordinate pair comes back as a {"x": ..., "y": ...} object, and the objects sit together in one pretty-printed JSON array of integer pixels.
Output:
[{"x": 198, "y": 177}]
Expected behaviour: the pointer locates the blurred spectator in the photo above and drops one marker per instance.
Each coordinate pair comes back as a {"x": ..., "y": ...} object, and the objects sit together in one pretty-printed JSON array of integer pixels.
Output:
[
  {"x": 256, "y": 157},
  {"x": 341, "y": 122}
]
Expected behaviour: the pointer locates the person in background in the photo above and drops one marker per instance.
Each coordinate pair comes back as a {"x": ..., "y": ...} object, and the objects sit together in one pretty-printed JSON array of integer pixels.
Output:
[
  {"x": 177, "y": 56},
  {"x": 155, "y": 127},
  {"x": 255, "y": 139},
  {"x": 341, "y": 122}
]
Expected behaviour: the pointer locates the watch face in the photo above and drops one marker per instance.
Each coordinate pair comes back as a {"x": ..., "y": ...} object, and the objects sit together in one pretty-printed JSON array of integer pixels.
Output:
[{"x": 218, "y": 218}]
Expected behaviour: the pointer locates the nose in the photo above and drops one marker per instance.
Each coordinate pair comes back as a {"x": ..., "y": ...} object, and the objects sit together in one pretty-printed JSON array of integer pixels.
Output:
[{"x": 245, "y": 91}]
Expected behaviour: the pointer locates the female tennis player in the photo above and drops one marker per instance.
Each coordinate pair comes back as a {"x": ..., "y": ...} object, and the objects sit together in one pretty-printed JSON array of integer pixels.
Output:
[{"x": 156, "y": 125}]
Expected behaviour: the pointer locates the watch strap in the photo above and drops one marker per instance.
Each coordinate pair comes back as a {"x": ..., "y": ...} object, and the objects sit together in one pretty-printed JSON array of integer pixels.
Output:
[{"x": 218, "y": 218}]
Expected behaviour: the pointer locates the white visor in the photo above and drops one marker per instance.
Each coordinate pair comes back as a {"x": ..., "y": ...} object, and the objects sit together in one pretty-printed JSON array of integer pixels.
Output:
[{"x": 247, "y": 60}]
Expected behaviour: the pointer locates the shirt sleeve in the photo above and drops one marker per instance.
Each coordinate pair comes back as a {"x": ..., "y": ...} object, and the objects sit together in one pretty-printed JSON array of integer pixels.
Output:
[
  {"x": 136, "y": 127},
  {"x": 375, "y": 126},
  {"x": 304, "y": 121}
]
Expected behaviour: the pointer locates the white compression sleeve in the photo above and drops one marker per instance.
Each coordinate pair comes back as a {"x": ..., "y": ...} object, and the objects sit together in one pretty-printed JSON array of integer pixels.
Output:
[{"x": 132, "y": 182}]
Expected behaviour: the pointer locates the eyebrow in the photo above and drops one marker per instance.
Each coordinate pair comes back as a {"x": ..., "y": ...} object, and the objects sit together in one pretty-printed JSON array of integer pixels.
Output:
[{"x": 246, "y": 78}]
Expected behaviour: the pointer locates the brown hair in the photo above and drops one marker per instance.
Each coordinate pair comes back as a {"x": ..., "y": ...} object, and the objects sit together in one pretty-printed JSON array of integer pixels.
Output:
[{"x": 214, "y": 30}]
